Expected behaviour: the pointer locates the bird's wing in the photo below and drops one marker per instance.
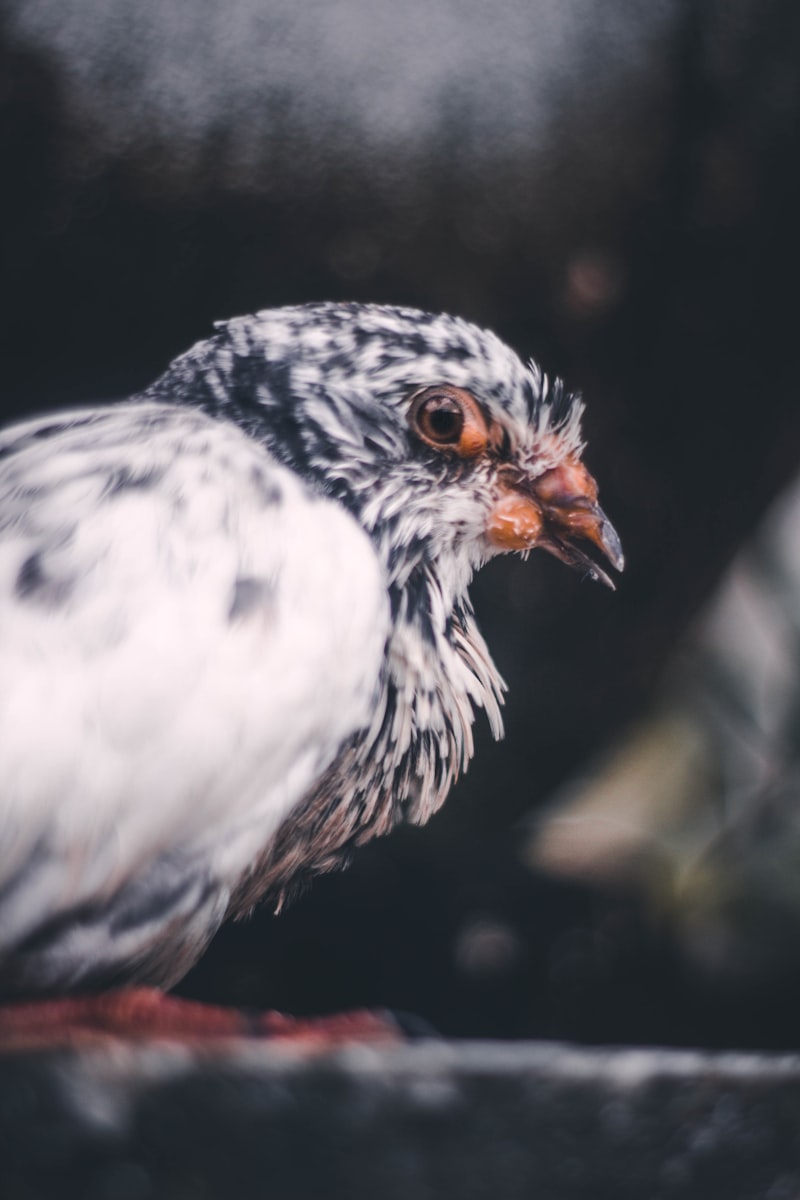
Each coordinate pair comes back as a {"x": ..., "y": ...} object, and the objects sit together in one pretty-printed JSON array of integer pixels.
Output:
[{"x": 187, "y": 635}]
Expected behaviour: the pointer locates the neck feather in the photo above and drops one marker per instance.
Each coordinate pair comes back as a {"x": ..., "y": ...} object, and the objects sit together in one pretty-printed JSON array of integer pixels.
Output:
[{"x": 437, "y": 672}]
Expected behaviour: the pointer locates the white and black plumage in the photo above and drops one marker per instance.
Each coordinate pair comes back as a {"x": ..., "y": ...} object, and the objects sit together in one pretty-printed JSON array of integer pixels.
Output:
[{"x": 235, "y": 635}]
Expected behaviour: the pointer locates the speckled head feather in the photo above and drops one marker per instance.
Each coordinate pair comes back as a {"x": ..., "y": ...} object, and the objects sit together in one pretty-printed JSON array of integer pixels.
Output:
[{"x": 326, "y": 387}]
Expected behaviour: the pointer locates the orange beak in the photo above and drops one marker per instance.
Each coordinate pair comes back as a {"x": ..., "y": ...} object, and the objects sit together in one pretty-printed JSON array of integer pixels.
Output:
[{"x": 552, "y": 513}]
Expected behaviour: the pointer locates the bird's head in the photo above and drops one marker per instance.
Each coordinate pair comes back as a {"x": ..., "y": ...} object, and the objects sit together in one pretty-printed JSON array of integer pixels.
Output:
[
  {"x": 446, "y": 447},
  {"x": 448, "y": 450}
]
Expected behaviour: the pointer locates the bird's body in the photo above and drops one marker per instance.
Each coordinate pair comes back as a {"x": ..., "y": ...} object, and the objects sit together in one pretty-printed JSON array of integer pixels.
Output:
[
  {"x": 235, "y": 636},
  {"x": 159, "y": 628}
]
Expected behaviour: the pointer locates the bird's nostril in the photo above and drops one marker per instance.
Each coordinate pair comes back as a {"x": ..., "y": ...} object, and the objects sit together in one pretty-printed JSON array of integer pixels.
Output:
[{"x": 566, "y": 485}]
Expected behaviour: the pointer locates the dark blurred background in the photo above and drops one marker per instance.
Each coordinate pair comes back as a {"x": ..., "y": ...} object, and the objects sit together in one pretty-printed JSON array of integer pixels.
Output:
[{"x": 614, "y": 189}]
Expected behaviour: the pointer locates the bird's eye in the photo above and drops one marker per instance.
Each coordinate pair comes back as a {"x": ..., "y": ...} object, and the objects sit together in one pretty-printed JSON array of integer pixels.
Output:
[
  {"x": 449, "y": 418},
  {"x": 440, "y": 419}
]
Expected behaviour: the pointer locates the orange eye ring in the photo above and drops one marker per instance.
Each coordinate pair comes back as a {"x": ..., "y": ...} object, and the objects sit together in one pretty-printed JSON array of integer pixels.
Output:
[{"x": 450, "y": 419}]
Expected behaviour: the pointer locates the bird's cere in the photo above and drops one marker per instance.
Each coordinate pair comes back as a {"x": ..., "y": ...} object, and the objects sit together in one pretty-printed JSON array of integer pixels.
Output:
[{"x": 235, "y": 628}]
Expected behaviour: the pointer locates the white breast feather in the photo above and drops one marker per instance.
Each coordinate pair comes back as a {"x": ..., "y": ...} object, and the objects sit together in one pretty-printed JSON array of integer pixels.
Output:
[{"x": 138, "y": 710}]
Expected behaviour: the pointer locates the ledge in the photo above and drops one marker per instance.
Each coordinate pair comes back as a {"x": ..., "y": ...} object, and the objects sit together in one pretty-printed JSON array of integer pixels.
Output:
[{"x": 427, "y": 1120}]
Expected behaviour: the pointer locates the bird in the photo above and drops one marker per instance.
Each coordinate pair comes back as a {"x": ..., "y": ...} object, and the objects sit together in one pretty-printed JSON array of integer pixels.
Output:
[{"x": 235, "y": 628}]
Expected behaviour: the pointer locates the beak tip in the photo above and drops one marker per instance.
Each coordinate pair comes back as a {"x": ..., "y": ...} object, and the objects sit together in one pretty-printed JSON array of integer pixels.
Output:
[
  {"x": 597, "y": 575},
  {"x": 612, "y": 546}
]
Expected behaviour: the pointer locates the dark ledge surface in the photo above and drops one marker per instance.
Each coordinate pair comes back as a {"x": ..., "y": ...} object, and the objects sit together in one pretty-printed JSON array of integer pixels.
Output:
[{"x": 428, "y": 1120}]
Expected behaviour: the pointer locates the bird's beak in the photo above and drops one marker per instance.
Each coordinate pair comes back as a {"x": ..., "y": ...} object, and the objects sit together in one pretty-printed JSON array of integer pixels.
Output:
[{"x": 554, "y": 512}]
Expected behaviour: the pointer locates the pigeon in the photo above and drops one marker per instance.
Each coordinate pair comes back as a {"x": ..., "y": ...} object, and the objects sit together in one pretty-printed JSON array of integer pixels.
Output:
[{"x": 235, "y": 630}]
